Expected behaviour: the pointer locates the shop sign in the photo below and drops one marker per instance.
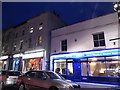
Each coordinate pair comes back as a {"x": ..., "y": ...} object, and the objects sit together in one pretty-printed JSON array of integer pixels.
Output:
[
  {"x": 86, "y": 54},
  {"x": 32, "y": 55},
  {"x": 3, "y": 57}
]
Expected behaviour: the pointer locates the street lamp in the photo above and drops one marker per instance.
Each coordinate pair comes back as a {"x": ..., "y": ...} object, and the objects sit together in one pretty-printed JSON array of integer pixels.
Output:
[{"x": 117, "y": 9}]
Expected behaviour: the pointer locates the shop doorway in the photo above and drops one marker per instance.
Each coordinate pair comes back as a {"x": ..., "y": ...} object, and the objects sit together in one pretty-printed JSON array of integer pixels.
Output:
[{"x": 69, "y": 68}]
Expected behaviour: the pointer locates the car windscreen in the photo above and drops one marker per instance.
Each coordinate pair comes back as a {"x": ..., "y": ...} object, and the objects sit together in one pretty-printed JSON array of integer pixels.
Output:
[
  {"x": 53, "y": 75},
  {"x": 14, "y": 73}
]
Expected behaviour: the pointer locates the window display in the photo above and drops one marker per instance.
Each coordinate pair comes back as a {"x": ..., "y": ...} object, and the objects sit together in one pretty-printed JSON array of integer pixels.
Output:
[
  {"x": 70, "y": 68},
  {"x": 113, "y": 66},
  {"x": 32, "y": 64},
  {"x": 66, "y": 66},
  {"x": 60, "y": 64},
  {"x": 84, "y": 68},
  {"x": 101, "y": 66}
]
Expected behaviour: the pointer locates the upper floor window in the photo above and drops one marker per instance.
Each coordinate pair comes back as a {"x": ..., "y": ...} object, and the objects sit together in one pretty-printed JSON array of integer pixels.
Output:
[
  {"x": 23, "y": 33},
  {"x": 64, "y": 45},
  {"x": 16, "y": 35},
  {"x": 31, "y": 29},
  {"x": 99, "y": 39},
  {"x": 39, "y": 40},
  {"x": 30, "y": 42},
  {"x": 40, "y": 26},
  {"x": 21, "y": 44},
  {"x": 14, "y": 47}
]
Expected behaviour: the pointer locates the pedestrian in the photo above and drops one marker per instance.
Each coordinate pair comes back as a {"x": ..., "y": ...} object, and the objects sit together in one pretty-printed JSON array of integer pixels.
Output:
[
  {"x": 32, "y": 67},
  {"x": 57, "y": 70}
]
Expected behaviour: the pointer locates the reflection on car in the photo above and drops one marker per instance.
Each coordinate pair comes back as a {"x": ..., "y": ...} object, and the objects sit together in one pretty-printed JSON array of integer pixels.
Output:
[{"x": 45, "y": 80}]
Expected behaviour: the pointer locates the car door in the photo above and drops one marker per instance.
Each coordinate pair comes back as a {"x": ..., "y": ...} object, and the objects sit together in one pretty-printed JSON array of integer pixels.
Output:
[
  {"x": 42, "y": 81},
  {"x": 29, "y": 79}
]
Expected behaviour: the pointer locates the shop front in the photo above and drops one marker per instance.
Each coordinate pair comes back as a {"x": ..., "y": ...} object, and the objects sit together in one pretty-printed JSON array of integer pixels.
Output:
[
  {"x": 3, "y": 62},
  {"x": 101, "y": 66},
  {"x": 32, "y": 64},
  {"x": 29, "y": 60},
  {"x": 33, "y": 60},
  {"x": 17, "y": 64}
]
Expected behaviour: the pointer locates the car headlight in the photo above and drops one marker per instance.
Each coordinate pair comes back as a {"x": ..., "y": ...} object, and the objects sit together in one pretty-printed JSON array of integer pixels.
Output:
[
  {"x": 76, "y": 86},
  {"x": 9, "y": 81},
  {"x": 68, "y": 86}
]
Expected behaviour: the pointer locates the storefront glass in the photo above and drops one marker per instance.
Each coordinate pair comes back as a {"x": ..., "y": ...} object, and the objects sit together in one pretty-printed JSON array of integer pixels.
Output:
[
  {"x": 97, "y": 69},
  {"x": 17, "y": 64},
  {"x": 113, "y": 66},
  {"x": 96, "y": 66},
  {"x": 84, "y": 68},
  {"x": 32, "y": 64},
  {"x": 70, "y": 68},
  {"x": 60, "y": 64}
]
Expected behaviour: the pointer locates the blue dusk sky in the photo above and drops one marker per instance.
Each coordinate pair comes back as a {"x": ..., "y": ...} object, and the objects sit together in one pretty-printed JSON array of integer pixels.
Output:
[{"x": 14, "y": 13}]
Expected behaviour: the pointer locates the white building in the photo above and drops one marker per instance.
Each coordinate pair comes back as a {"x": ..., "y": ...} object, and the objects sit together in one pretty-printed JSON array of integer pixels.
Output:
[
  {"x": 79, "y": 36},
  {"x": 80, "y": 50}
]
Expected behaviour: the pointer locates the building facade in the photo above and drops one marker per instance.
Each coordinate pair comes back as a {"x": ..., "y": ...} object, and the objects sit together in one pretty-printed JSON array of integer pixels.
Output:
[
  {"x": 28, "y": 44},
  {"x": 88, "y": 50}
]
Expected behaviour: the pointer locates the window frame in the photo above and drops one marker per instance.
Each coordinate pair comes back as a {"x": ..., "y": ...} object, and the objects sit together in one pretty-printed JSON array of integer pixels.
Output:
[
  {"x": 64, "y": 44},
  {"x": 99, "y": 39}
]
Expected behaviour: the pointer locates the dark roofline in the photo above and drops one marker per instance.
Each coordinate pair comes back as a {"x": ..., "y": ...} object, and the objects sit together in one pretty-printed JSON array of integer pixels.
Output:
[
  {"x": 86, "y": 20},
  {"x": 22, "y": 23}
]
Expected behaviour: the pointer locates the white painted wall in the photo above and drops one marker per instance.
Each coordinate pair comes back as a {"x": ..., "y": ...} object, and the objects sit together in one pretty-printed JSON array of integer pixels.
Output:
[{"x": 83, "y": 31}]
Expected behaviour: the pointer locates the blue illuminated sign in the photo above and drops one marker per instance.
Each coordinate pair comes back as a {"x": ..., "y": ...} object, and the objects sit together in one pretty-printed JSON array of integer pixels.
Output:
[{"x": 86, "y": 54}]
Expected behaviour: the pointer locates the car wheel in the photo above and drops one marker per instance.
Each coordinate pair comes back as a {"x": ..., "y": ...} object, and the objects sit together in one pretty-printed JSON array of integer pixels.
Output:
[
  {"x": 22, "y": 87},
  {"x": 53, "y": 88}
]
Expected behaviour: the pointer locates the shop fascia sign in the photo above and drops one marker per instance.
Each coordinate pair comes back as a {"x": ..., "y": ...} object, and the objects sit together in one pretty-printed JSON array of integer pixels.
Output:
[
  {"x": 86, "y": 54},
  {"x": 3, "y": 57},
  {"x": 30, "y": 54}
]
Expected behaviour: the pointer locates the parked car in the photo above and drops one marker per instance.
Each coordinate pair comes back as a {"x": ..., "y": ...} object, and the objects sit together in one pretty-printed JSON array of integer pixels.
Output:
[
  {"x": 45, "y": 80},
  {"x": 8, "y": 77}
]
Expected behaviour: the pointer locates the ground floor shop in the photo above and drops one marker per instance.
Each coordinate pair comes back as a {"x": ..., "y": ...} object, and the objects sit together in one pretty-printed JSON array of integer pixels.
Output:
[
  {"x": 102, "y": 66},
  {"x": 4, "y": 62},
  {"x": 32, "y": 64},
  {"x": 29, "y": 60}
]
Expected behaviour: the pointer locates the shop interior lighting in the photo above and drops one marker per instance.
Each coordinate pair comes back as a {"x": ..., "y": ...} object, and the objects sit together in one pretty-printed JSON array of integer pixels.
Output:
[{"x": 3, "y": 57}]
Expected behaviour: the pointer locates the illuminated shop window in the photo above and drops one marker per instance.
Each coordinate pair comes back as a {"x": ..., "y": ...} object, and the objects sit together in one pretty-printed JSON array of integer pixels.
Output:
[
  {"x": 40, "y": 26},
  {"x": 39, "y": 40},
  {"x": 70, "y": 68},
  {"x": 65, "y": 68},
  {"x": 101, "y": 66},
  {"x": 33, "y": 64},
  {"x": 113, "y": 66},
  {"x": 60, "y": 64},
  {"x": 99, "y": 39},
  {"x": 31, "y": 29},
  {"x": 84, "y": 68},
  {"x": 97, "y": 66},
  {"x": 64, "y": 45}
]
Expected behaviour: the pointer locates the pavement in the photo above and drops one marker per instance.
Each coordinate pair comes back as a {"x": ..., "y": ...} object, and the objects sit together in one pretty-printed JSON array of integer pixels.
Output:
[{"x": 96, "y": 86}]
